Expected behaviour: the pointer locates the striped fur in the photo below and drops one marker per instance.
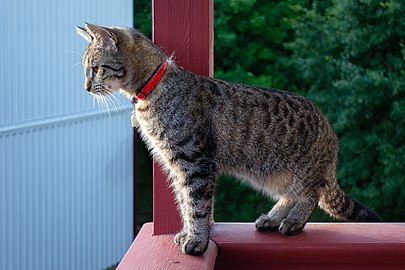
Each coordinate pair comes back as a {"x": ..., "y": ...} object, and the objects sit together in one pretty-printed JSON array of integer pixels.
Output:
[{"x": 199, "y": 127}]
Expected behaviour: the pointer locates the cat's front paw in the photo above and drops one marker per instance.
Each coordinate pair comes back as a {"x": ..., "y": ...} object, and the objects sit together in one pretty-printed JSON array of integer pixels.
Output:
[
  {"x": 180, "y": 237},
  {"x": 194, "y": 246},
  {"x": 265, "y": 224}
]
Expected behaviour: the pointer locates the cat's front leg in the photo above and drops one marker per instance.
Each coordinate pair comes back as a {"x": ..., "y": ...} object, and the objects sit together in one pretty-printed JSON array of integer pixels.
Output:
[
  {"x": 197, "y": 193},
  {"x": 181, "y": 235}
]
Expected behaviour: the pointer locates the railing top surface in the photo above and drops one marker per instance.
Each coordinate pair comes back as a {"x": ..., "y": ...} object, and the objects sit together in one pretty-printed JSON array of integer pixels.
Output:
[
  {"x": 240, "y": 246},
  {"x": 314, "y": 234}
]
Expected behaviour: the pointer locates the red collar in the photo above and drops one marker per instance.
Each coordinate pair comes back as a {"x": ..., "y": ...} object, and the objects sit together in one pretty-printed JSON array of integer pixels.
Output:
[{"x": 151, "y": 84}]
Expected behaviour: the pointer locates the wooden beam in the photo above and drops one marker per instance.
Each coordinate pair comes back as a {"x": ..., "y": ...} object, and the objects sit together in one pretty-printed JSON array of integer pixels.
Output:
[
  {"x": 185, "y": 28},
  {"x": 319, "y": 246},
  {"x": 160, "y": 252}
]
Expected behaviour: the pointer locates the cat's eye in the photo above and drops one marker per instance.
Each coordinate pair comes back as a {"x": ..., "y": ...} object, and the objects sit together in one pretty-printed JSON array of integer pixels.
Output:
[{"x": 95, "y": 69}]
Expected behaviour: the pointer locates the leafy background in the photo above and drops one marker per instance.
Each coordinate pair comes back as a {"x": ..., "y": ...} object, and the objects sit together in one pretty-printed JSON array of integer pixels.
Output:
[{"x": 348, "y": 56}]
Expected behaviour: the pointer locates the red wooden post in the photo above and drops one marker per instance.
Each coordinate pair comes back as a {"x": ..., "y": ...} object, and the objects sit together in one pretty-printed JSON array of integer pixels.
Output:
[{"x": 183, "y": 27}]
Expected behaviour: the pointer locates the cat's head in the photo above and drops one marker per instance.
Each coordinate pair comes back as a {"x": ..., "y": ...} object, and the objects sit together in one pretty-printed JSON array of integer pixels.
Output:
[
  {"x": 117, "y": 58},
  {"x": 105, "y": 61}
]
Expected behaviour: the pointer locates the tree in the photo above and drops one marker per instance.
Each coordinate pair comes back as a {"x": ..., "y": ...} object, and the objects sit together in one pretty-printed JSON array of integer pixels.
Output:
[
  {"x": 350, "y": 59},
  {"x": 249, "y": 40}
]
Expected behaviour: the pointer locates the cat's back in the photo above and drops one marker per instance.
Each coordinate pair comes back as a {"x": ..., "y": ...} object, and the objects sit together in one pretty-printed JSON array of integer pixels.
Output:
[
  {"x": 240, "y": 110},
  {"x": 255, "y": 124},
  {"x": 262, "y": 108}
]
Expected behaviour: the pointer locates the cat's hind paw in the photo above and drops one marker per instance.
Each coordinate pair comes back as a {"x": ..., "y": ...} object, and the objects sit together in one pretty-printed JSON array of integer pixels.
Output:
[
  {"x": 290, "y": 227},
  {"x": 265, "y": 224}
]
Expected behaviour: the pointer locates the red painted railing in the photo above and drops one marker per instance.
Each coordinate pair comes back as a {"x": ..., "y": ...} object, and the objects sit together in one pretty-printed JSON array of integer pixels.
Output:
[
  {"x": 186, "y": 28},
  {"x": 240, "y": 246}
]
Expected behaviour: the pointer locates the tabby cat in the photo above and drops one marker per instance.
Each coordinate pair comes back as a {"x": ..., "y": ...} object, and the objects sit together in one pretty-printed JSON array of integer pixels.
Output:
[{"x": 199, "y": 127}]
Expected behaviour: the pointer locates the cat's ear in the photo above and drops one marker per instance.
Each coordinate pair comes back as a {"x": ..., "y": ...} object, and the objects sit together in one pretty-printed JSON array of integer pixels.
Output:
[
  {"x": 82, "y": 32},
  {"x": 102, "y": 34}
]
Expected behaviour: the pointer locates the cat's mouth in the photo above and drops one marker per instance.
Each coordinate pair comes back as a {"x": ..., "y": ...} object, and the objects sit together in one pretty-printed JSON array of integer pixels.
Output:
[
  {"x": 101, "y": 91},
  {"x": 106, "y": 98}
]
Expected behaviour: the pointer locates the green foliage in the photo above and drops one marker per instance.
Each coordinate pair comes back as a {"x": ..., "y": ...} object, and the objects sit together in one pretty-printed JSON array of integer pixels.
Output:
[
  {"x": 143, "y": 168},
  {"x": 249, "y": 38},
  {"x": 348, "y": 57},
  {"x": 143, "y": 16}
]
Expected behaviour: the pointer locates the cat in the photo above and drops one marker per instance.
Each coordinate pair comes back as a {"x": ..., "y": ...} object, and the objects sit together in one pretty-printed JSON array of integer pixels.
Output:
[{"x": 199, "y": 127}]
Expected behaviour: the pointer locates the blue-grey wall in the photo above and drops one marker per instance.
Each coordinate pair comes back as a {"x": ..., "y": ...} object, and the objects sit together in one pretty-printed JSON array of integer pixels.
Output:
[{"x": 66, "y": 167}]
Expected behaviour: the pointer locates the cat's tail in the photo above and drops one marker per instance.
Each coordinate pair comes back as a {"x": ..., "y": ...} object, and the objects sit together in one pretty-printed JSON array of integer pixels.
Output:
[{"x": 336, "y": 203}]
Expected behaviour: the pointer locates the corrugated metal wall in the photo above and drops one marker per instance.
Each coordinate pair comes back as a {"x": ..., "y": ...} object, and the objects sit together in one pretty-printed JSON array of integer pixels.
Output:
[{"x": 66, "y": 168}]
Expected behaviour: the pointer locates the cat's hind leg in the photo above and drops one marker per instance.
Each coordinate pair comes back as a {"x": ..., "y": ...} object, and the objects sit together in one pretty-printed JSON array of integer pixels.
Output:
[
  {"x": 306, "y": 198},
  {"x": 272, "y": 221},
  {"x": 298, "y": 216},
  {"x": 288, "y": 216},
  {"x": 277, "y": 186},
  {"x": 298, "y": 200}
]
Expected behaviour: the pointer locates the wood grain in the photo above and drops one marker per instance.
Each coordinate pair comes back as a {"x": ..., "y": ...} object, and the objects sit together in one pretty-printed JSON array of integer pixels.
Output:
[{"x": 160, "y": 252}]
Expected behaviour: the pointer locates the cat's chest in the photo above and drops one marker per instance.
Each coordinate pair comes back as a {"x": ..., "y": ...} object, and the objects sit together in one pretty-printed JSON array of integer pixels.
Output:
[
  {"x": 149, "y": 122},
  {"x": 150, "y": 126},
  {"x": 153, "y": 133}
]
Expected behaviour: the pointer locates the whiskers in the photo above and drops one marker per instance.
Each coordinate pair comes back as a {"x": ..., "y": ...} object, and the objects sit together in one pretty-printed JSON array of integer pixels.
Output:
[
  {"x": 76, "y": 54},
  {"x": 108, "y": 100}
]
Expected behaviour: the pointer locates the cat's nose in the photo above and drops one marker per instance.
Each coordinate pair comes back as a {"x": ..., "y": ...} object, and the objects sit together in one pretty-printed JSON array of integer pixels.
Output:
[{"x": 87, "y": 85}]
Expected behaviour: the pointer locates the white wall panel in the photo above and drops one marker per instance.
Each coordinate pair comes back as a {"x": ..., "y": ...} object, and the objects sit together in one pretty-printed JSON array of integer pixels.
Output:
[{"x": 66, "y": 168}]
